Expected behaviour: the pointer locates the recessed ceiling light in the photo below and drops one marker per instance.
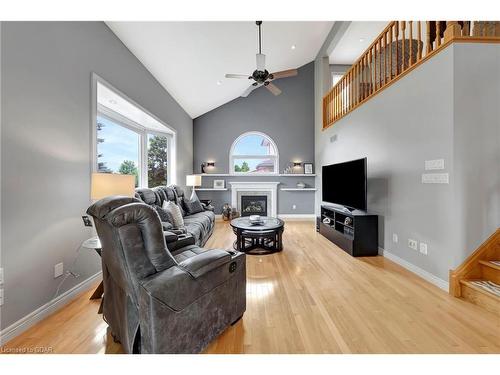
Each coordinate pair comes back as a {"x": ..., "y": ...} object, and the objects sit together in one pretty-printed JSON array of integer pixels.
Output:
[
  {"x": 219, "y": 83},
  {"x": 361, "y": 40},
  {"x": 293, "y": 46}
]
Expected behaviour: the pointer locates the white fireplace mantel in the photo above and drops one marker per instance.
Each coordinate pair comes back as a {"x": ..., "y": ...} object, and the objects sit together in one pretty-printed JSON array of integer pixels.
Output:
[{"x": 253, "y": 187}]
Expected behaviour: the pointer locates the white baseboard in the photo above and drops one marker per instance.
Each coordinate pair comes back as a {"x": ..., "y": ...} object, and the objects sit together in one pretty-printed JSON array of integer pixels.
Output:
[
  {"x": 306, "y": 217},
  {"x": 440, "y": 283},
  {"x": 42, "y": 312}
]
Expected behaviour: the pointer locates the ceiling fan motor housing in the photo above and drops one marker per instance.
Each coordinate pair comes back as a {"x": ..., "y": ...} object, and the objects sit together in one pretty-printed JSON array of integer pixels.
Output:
[{"x": 260, "y": 76}]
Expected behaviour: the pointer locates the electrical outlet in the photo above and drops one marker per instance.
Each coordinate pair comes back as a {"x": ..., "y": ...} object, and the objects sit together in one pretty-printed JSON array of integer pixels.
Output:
[
  {"x": 1, "y": 276},
  {"x": 1, "y": 297},
  {"x": 58, "y": 270},
  {"x": 294, "y": 207},
  {"x": 394, "y": 238},
  {"x": 423, "y": 248},
  {"x": 412, "y": 244}
]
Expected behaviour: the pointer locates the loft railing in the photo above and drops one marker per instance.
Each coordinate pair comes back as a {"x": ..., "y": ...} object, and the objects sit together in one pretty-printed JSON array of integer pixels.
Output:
[{"x": 400, "y": 47}]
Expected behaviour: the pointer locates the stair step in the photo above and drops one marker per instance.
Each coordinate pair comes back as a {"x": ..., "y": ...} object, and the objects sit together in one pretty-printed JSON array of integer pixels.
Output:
[
  {"x": 490, "y": 270},
  {"x": 491, "y": 263},
  {"x": 483, "y": 293}
]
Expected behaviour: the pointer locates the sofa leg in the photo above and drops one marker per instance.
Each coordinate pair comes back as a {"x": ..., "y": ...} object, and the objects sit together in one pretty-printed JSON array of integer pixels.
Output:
[{"x": 237, "y": 320}]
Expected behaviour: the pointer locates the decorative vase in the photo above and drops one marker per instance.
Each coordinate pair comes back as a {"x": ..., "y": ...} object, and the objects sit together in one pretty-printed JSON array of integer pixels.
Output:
[{"x": 301, "y": 185}]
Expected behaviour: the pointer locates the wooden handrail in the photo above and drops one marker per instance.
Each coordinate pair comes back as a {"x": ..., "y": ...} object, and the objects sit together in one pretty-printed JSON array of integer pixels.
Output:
[{"x": 397, "y": 50}]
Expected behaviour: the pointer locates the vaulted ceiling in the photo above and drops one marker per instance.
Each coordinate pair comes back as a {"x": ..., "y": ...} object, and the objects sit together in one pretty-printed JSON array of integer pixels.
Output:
[{"x": 190, "y": 59}]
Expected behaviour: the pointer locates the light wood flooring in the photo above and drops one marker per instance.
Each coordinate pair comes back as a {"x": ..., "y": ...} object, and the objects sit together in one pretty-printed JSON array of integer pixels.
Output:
[{"x": 310, "y": 298}]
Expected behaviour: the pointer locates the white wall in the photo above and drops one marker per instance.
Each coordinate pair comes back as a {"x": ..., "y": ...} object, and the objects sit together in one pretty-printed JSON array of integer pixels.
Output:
[{"x": 46, "y": 122}]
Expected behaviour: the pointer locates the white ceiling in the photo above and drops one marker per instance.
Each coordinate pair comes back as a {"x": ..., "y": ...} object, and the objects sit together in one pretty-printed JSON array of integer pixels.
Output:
[
  {"x": 357, "y": 38},
  {"x": 188, "y": 58}
]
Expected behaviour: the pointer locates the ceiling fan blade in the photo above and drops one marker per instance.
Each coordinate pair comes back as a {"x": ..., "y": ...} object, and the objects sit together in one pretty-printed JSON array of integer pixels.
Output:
[
  {"x": 261, "y": 61},
  {"x": 249, "y": 90},
  {"x": 285, "y": 73},
  {"x": 244, "y": 76},
  {"x": 273, "y": 88}
]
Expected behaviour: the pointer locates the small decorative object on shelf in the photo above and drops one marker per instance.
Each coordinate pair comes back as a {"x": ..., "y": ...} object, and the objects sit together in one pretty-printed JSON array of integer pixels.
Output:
[
  {"x": 308, "y": 168},
  {"x": 226, "y": 212},
  {"x": 301, "y": 185},
  {"x": 219, "y": 184},
  {"x": 348, "y": 221}
]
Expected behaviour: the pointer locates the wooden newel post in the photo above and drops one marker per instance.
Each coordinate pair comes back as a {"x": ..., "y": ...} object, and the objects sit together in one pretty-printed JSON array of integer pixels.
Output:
[{"x": 453, "y": 30}]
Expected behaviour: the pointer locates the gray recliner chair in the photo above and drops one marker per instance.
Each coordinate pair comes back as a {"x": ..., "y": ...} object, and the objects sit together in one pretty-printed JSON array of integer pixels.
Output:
[{"x": 156, "y": 302}]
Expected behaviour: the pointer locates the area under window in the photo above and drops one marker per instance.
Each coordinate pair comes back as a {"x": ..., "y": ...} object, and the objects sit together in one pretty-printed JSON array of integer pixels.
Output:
[
  {"x": 129, "y": 140},
  {"x": 253, "y": 153}
]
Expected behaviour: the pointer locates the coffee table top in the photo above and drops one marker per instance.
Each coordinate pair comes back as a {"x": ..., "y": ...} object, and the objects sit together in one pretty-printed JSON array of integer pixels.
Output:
[{"x": 268, "y": 223}]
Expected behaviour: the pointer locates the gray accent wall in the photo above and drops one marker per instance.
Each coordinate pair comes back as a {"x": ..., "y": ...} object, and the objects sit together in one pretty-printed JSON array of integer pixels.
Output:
[
  {"x": 444, "y": 109},
  {"x": 288, "y": 119},
  {"x": 46, "y": 72}
]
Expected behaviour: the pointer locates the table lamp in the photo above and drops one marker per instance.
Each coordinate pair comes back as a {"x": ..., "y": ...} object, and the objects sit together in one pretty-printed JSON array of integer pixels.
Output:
[
  {"x": 193, "y": 180},
  {"x": 106, "y": 184}
]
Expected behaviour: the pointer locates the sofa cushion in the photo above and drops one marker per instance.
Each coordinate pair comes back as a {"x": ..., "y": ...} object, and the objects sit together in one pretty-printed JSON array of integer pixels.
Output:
[{"x": 187, "y": 252}]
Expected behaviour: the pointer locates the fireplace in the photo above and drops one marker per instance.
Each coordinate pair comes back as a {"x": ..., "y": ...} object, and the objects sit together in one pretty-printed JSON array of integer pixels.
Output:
[{"x": 254, "y": 205}]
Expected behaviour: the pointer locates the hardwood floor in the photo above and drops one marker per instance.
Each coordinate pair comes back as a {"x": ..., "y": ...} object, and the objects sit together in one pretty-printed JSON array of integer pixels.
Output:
[{"x": 310, "y": 298}]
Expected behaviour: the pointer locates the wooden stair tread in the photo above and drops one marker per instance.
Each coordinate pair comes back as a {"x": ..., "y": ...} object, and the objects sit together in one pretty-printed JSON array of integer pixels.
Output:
[
  {"x": 470, "y": 284},
  {"x": 489, "y": 263}
]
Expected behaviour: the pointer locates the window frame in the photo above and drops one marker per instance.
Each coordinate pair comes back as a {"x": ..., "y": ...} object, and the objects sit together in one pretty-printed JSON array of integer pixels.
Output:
[
  {"x": 142, "y": 131},
  {"x": 233, "y": 156}
]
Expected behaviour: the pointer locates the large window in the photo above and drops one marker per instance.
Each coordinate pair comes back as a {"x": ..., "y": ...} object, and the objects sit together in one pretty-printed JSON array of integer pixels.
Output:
[
  {"x": 128, "y": 140},
  {"x": 253, "y": 152}
]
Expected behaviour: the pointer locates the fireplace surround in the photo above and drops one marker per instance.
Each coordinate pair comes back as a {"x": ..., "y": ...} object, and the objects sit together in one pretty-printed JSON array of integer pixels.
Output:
[{"x": 244, "y": 188}]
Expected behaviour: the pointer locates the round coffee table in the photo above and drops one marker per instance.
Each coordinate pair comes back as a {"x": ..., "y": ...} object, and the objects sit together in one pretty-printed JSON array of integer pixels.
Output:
[{"x": 258, "y": 239}]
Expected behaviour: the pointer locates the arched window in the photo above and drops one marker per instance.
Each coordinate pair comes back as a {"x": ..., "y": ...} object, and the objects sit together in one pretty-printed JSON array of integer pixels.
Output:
[{"x": 255, "y": 153}]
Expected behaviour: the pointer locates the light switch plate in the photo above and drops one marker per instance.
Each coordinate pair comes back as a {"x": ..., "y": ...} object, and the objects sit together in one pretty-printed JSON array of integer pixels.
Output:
[
  {"x": 58, "y": 270},
  {"x": 434, "y": 164},
  {"x": 394, "y": 238},
  {"x": 1, "y": 276},
  {"x": 435, "y": 178},
  {"x": 1, "y": 297}
]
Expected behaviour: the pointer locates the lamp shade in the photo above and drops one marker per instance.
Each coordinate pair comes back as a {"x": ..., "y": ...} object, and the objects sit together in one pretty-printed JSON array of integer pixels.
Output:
[
  {"x": 193, "y": 180},
  {"x": 106, "y": 184}
]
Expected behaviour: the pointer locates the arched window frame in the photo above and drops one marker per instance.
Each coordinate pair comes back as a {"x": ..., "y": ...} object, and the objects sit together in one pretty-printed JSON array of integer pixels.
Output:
[{"x": 233, "y": 156}]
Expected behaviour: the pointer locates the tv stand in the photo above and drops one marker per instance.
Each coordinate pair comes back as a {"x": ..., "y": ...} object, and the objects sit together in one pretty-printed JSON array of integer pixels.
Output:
[{"x": 355, "y": 232}]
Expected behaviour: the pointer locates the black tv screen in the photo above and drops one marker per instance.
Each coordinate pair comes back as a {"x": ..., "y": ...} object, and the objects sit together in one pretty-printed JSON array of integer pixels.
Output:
[{"x": 345, "y": 184}]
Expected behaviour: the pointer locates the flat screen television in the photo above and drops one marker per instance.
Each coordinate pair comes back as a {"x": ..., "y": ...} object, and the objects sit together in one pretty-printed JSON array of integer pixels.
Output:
[{"x": 345, "y": 184}]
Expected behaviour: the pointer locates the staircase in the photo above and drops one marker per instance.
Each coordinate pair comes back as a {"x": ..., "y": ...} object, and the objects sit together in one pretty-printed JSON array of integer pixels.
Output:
[{"x": 477, "y": 280}]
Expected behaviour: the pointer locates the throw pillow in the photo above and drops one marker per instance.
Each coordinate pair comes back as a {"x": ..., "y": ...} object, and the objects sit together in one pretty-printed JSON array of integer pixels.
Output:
[
  {"x": 193, "y": 206},
  {"x": 174, "y": 210},
  {"x": 165, "y": 216}
]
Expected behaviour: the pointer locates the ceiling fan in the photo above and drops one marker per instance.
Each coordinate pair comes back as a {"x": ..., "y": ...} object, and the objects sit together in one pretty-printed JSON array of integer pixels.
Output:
[{"x": 261, "y": 76}]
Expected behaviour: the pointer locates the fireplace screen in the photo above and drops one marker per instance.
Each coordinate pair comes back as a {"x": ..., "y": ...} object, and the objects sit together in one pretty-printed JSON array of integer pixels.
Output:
[{"x": 254, "y": 205}]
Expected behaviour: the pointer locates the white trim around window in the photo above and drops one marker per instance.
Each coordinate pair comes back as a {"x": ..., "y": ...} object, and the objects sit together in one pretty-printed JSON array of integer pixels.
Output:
[
  {"x": 143, "y": 132},
  {"x": 273, "y": 157}
]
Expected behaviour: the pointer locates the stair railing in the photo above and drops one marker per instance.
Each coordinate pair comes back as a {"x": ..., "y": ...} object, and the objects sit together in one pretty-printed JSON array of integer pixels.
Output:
[{"x": 400, "y": 47}]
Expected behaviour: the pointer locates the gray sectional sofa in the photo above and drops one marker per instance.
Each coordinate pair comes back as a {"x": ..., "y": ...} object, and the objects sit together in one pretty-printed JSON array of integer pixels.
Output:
[{"x": 199, "y": 225}]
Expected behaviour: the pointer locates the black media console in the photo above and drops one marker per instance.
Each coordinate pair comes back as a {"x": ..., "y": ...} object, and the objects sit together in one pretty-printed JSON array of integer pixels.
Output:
[{"x": 354, "y": 232}]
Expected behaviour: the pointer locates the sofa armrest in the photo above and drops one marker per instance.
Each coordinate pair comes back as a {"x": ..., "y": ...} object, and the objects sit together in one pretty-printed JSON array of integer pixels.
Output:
[
  {"x": 205, "y": 262},
  {"x": 170, "y": 236},
  {"x": 208, "y": 207}
]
